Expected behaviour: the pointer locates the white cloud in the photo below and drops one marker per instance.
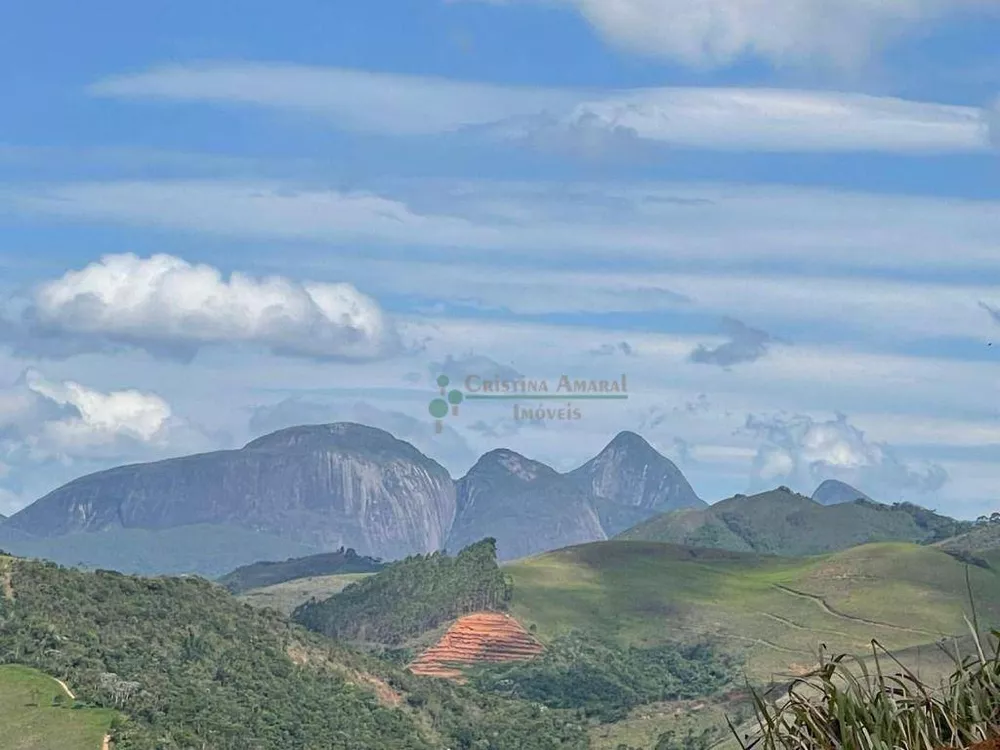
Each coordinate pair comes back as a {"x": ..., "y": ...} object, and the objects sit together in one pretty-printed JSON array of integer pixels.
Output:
[
  {"x": 165, "y": 302},
  {"x": 856, "y": 306},
  {"x": 354, "y": 99},
  {"x": 52, "y": 431},
  {"x": 100, "y": 416},
  {"x": 712, "y": 226},
  {"x": 803, "y": 451},
  {"x": 682, "y": 117},
  {"x": 770, "y": 120},
  {"x": 44, "y": 421},
  {"x": 709, "y": 33}
]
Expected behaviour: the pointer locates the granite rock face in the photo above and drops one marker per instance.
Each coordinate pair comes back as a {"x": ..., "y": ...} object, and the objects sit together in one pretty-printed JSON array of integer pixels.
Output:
[
  {"x": 328, "y": 485},
  {"x": 525, "y": 505},
  {"x": 323, "y": 487},
  {"x": 630, "y": 481}
]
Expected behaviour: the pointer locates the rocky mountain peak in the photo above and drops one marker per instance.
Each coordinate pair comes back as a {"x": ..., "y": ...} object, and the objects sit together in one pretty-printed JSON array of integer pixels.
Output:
[
  {"x": 834, "y": 492},
  {"x": 336, "y": 436},
  {"x": 508, "y": 462}
]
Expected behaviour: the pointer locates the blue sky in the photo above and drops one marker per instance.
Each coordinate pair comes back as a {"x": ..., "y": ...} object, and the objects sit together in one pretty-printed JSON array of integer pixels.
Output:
[{"x": 785, "y": 228}]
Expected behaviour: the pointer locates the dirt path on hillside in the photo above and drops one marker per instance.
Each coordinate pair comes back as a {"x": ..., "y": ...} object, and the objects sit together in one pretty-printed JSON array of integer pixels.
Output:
[
  {"x": 66, "y": 688},
  {"x": 789, "y": 623},
  {"x": 821, "y": 603},
  {"x": 106, "y": 742},
  {"x": 762, "y": 642}
]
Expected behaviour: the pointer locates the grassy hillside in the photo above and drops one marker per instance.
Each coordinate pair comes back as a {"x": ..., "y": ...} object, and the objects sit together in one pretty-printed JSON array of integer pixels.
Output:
[
  {"x": 980, "y": 545},
  {"x": 286, "y": 597},
  {"x": 36, "y": 714},
  {"x": 260, "y": 574},
  {"x": 773, "y": 610},
  {"x": 191, "y": 667},
  {"x": 783, "y": 523}
]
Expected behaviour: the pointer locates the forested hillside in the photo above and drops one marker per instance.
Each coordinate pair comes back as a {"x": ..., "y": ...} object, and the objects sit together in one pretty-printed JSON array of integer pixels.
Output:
[
  {"x": 260, "y": 574},
  {"x": 412, "y": 596},
  {"x": 191, "y": 667}
]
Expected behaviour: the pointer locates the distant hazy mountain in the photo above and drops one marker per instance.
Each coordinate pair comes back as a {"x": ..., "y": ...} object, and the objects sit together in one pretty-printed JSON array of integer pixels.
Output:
[
  {"x": 833, "y": 492},
  {"x": 630, "y": 481},
  {"x": 306, "y": 490},
  {"x": 324, "y": 486},
  {"x": 525, "y": 505},
  {"x": 784, "y": 523}
]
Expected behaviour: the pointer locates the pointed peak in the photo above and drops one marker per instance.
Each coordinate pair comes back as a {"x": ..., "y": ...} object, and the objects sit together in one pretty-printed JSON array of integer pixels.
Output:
[
  {"x": 632, "y": 443},
  {"x": 627, "y": 437},
  {"x": 834, "y": 492},
  {"x": 511, "y": 462}
]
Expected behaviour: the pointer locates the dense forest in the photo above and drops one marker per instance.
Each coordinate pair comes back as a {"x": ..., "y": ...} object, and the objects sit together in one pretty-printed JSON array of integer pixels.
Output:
[
  {"x": 260, "y": 574},
  {"x": 603, "y": 680},
  {"x": 412, "y": 596},
  {"x": 190, "y": 667}
]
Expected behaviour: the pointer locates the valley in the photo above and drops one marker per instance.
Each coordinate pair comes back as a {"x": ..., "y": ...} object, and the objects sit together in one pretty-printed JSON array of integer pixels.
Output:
[{"x": 599, "y": 615}]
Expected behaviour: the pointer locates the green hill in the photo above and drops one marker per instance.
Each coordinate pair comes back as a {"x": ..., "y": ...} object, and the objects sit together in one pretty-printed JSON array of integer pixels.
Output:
[
  {"x": 286, "y": 597},
  {"x": 979, "y": 546},
  {"x": 189, "y": 666},
  {"x": 36, "y": 714},
  {"x": 261, "y": 574},
  {"x": 773, "y": 611},
  {"x": 411, "y": 597},
  {"x": 783, "y": 523}
]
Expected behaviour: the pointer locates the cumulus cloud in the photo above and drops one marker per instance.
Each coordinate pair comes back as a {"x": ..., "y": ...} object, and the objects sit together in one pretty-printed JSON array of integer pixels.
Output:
[
  {"x": 745, "y": 344},
  {"x": 711, "y": 33},
  {"x": 801, "y": 451},
  {"x": 43, "y": 420},
  {"x": 168, "y": 306},
  {"x": 69, "y": 429},
  {"x": 587, "y": 122}
]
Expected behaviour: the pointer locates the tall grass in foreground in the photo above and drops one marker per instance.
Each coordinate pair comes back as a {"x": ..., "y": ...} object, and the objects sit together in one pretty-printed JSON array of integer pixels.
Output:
[{"x": 847, "y": 705}]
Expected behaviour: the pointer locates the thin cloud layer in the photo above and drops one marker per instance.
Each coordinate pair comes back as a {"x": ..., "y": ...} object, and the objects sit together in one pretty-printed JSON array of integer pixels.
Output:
[
  {"x": 716, "y": 33},
  {"x": 587, "y": 122},
  {"x": 721, "y": 226},
  {"x": 801, "y": 451},
  {"x": 165, "y": 304}
]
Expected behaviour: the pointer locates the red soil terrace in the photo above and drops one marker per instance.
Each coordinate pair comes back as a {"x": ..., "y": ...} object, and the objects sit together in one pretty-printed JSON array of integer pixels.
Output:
[{"x": 475, "y": 639}]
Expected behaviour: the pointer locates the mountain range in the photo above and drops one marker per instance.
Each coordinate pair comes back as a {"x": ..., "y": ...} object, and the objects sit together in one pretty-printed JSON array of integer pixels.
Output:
[
  {"x": 781, "y": 522},
  {"x": 316, "y": 488}
]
